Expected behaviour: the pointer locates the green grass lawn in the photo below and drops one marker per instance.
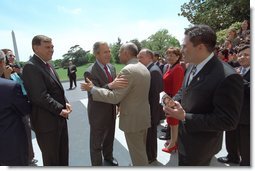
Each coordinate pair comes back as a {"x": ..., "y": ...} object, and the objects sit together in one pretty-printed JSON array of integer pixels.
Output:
[{"x": 80, "y": 71}]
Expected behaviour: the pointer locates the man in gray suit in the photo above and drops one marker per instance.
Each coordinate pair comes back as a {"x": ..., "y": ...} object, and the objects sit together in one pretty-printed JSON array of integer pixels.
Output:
[
  {"x": 134, "y": 102},
  {"x": 101, "y": 115}
]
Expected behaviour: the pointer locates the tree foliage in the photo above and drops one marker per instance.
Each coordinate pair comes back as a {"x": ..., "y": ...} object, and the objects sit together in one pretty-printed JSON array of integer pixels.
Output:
[
  {"x": 160, "y": 41},
  {"x": 76, "y": 54},
  {"x": 115, "y": 47},
  {"x": 57, "y": 63},
  {"x": 90, "y": 57},
  {"x": 218, "y": 14}
]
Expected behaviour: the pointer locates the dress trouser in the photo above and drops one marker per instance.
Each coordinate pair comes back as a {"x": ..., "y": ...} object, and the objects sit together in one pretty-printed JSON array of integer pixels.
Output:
[
  {"x": 26, "y": 121},
  {"x": 244, "y": 145},
  {"x": 136, "y": 142},
  {"x": 232, "y": 144},
  {"x": 101, "y": 142},
  {"x": 151, "y": 143},
  {"x": 72, "y": 78},
  {"x": 54, "y": 146}
]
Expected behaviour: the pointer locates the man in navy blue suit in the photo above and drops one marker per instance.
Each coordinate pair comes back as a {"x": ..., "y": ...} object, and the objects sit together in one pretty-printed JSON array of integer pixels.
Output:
[{"x": 13, "y": 137}]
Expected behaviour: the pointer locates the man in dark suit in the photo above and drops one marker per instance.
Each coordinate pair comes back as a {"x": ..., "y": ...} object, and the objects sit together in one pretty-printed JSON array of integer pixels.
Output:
[
  {"x": 71, "y": 73},
  {"x": 244, "y": 122},
  {"x": 145, "y": 56},
  {"x": 50, "y": 108},
  {"x": 211, "y": 99},
  {"x": 101, "y": 115},
  {"x": 13, "y": 107},
  {"x": 238, "y": 140}
]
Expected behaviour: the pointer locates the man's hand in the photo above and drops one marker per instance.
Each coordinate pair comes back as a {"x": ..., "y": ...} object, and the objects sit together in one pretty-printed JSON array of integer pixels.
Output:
[
  {"x": 69, "y": 107},
  {"x": 176, "y": 112},
  {"x": 87, "y": 86},
  {"x": 119, "y": 82},
  {"x": 7, "y": 72},
  {"x": 65, "y": 112}
]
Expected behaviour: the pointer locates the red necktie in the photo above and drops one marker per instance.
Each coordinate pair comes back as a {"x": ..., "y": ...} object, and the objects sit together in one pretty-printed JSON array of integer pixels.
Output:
[
  {"x": 50, "y": 69},
  {"x": 108, "y": 74}
]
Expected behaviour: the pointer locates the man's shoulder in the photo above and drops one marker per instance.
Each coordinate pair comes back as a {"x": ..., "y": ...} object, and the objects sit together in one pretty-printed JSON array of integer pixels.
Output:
[
  {"x": 222, "y": 70},
  {"x": 8, "y": 83},
  {"x": 227, "y": 69},
  {"x": 32, "y": 61},
  {"x": 155, "y": 68}
]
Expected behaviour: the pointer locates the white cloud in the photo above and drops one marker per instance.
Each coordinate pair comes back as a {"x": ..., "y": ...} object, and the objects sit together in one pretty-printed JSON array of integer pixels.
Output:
[{"x": 74, "y": 11}]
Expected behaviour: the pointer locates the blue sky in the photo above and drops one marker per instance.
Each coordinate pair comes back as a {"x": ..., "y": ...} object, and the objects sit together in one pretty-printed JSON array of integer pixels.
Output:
[{"x": 83, "y": 22}]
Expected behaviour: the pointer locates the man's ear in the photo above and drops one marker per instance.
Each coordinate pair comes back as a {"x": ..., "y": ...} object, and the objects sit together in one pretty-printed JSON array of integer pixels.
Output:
[{"x": 201, "y": 46}]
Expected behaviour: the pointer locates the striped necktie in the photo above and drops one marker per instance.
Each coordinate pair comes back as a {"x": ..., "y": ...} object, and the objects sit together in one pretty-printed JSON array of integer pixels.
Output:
[
  {"x": 191, "y": 74},
  {"x": 108, "y": 74},
  {"x": 50, "y": 69}
]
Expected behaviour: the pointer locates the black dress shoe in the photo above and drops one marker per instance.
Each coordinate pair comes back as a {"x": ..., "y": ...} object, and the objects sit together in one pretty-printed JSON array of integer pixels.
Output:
[
  {"x": 163, "y": 137},
  {"x": 112, "y": 161},
  {"x": 33, "y": 162},
  {"x": 151, "y": 161},
  {"x": 228, "y": 160}
]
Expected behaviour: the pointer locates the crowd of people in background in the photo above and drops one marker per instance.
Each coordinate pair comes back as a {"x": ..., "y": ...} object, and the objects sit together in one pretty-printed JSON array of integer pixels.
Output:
[
  {"x": 236, "y": 52},
  {"x": 209, "y": 83}
]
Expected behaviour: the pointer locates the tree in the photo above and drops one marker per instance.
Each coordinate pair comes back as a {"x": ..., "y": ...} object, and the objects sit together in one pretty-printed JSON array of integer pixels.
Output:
[
  {"x": 90, "y": 57},
  {"x": 218, "y": 14},
  {"x": 76, "y": 54},
  {"x": 57, "y": 63},
  {"x": 160, "y": 41},
  {"x": 115, "y": 47}
]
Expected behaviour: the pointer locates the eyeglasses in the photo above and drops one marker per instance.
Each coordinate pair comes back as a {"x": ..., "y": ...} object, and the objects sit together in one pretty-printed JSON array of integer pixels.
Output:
[{"x": 13, "y": 56}]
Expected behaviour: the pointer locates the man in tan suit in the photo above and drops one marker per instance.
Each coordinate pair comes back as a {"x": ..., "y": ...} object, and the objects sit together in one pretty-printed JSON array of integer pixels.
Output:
[{"x": 134, "y": 103}]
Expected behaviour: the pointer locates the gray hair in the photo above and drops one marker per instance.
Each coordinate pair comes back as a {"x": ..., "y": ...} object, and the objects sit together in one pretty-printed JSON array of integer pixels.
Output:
[
  {"x": 96, "y": 47},
  {"x": 148, "y": 52},
  {"x": 131, "y": 48},
  {"x": 2, "y": 56}
]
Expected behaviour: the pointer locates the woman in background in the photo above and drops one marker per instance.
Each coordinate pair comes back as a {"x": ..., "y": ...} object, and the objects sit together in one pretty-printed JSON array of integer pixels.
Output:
[{"x": 172, "y": 81}]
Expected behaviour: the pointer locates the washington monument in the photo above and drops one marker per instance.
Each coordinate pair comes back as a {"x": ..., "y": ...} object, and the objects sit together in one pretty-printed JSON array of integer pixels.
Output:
[{"x": 15, "y": 46}]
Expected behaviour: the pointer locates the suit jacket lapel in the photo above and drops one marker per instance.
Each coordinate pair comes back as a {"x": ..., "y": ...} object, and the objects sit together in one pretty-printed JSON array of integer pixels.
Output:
[
  {"x": 44, "y": 67},
  {"x": 149, "y": 67},
  {"x": 113, "y": 74},
  {"x": 202, "y": 73},
  {"x": 101, "y": 73}
]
